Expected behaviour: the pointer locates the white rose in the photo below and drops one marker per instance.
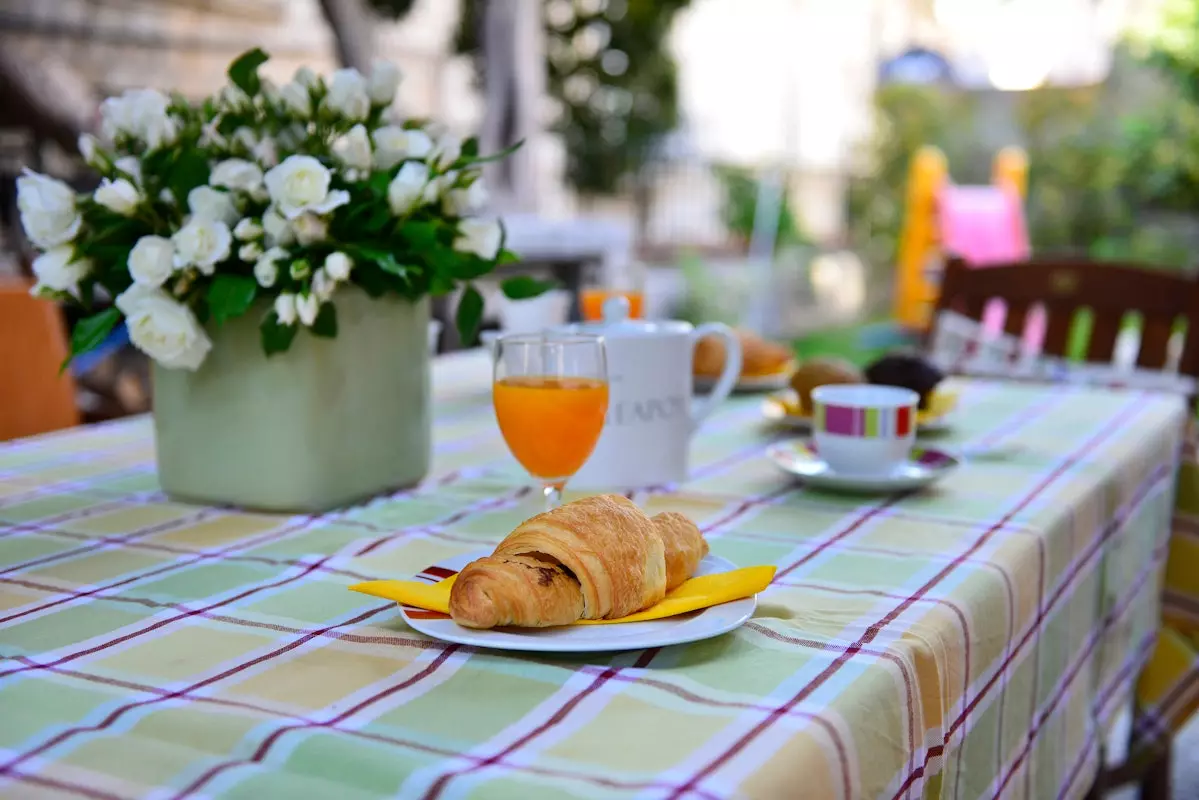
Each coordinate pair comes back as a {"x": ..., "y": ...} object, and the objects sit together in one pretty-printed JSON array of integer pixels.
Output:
[
  {"x": 163, "y": 329},
  {"x": 59, "y": 270},
  {"x": 152, "y": 261},
  {"x": 88, "y": 148},
  {"x": 237, "y": 174},
  {"x": 47, "y": 209},
  {"x": 285, "y": 308},
  {"x": 310, "y": 229},
  {"x": 347, "y": 94},
  {"x": 480, "y": 237},
  {"x": 267, "y": 153},
  {"x": 232, "y": 98},
  {"x": 292, "y": 136},
  {"x": 447, "y": 151},
  {"x": 384, "y": 81},
  {"x": 468, "y": 201},
  {"x": 202, "y": 243},
  {"x": 277, "y": 229},
  {"x": 204, "y": 202},
  {"x": 307, "y": 307},
  {"x": 307, "y": 78},
  {"x": 249, "y": 228},
  {"x": 338, "y": 266},
  {"x": 406, "y": 188},
  {"x": 131, "y": 167},
  {"x": 249, "y": 252},
  {"x": 393, "y": 144},
  {"x": 141, "y": 113},
  {"x": 266, "y": 269},
  {"x": 297, "y": 99},
  {"x": 438, "y": 187},
  {"x": 322, "y": 286},
  {"x": 119, "y": 196},
  {"x": 301, "y": 183},
  {"x": 354, "y": 148},
  {"x": 246, "y": 137}
]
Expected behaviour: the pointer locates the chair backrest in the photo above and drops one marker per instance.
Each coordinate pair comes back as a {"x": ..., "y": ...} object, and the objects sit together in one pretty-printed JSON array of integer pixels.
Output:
[
  {"x": 1063, "y": 288},
  {"x": 34, "y": 397}
]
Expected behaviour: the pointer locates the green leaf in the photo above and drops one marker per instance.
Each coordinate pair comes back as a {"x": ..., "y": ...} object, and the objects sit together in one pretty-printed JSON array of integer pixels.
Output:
[
  {"x": 420, "y": 235},
  {"x": 388, "y": 264},
  {"x": 506, "y": 257},
  {"x": 90, "y": 331},
  {"x": 276, "y": 338},
  {"x": 189, "y": 171},
  {"x": 244, "y": 70},
  {"x": 470, "y": 148},
  {"x": 230, "y": 296},
  {"x": 470, "y": 314},
  {"x": 325, "y": 323},
  {"x": 370, "y": 278},
  {"x": 500, "y": 156},
  {"x": 523, "y": 287}
]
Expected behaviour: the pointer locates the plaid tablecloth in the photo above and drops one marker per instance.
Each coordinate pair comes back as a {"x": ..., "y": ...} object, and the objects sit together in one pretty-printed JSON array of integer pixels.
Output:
[{"x": 969, "y": 641}]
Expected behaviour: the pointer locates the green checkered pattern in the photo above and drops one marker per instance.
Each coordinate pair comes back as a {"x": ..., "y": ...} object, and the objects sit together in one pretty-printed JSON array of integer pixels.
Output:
[{"x": 972, "y": 640}]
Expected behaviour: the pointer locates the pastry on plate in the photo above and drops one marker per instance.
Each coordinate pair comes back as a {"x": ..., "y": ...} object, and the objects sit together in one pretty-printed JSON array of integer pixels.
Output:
[
  {"x": 909, "y": 371},
  {"x": 822, "y": 372},
  {"x": 759, "y": 357},
  {"x": 597, "y": 558}
]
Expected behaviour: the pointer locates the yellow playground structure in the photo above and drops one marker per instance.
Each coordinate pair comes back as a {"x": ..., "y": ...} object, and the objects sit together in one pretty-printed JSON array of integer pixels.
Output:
[{"x": 979, "y": 223}]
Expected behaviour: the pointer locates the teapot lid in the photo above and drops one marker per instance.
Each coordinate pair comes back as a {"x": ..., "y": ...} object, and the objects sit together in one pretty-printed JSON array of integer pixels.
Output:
[{"x": 616, "y": 322}]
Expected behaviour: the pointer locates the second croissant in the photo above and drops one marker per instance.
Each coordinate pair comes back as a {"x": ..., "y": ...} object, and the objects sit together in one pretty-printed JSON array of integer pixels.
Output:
[{"x": 596, "y": 558}]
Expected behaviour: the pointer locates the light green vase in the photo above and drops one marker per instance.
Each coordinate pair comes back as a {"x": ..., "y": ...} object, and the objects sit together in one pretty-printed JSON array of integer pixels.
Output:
[{"x": 327, "y": 423}]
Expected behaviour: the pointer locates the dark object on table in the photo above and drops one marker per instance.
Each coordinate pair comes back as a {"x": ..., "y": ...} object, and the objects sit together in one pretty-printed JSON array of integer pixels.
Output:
[{"x": 907, "y": 371}]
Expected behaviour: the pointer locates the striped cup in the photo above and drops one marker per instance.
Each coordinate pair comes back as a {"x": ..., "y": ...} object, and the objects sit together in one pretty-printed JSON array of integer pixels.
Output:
[{"x": 863, "y": 429}]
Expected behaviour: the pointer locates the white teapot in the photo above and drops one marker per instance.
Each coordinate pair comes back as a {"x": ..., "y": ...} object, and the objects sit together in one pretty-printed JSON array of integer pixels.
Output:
[{"x": 651, "y": 414}]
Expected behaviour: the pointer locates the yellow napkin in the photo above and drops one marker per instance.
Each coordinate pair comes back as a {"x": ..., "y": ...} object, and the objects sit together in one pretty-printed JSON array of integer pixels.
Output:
[{"x": 701, "y": 592}]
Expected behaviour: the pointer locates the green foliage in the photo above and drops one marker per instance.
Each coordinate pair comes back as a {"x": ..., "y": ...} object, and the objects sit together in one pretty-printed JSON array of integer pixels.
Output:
[
  {"x": 230, "y": 296},
  {"x": 89, "y": 332},
  {"x": 325, "y": 324},
  {"x": 523, "y": 287},
  {"x": 276, "y": 338},
  {"x": 243, "y": 72},
  {"x": 613, "y": 77},
  {"x": 740, "y": 207},
  {"x": 470, "y": 313}
]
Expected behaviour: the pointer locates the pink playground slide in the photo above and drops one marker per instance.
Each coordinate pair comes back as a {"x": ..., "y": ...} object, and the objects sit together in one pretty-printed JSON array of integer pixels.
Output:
[{"x": 985, "y": 225}]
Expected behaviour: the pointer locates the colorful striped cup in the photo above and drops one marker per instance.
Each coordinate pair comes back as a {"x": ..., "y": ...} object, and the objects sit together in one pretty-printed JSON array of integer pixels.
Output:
[{"x": 862, "y": 429}]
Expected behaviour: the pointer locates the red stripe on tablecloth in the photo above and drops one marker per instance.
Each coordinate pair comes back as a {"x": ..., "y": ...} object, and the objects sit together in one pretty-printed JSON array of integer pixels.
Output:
[
  {"x": 874, "y": 630},
  {"x": 1066, "y": 579},
  {"x": 264, "y": 747},
  {"x": 439, "y": 785},
  {"x": 64, "y": 786},
  {"x": 1065, "y": 683},
  {"x": 117, "y": 713}
]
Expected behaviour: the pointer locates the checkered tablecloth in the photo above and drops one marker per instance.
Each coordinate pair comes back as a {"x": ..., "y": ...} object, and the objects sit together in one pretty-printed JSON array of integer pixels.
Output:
[{"x": 969, "y": 641}]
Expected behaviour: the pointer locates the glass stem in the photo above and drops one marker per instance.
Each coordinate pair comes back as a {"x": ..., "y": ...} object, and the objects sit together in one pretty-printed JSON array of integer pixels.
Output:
[{"x": 553, "y": 495}]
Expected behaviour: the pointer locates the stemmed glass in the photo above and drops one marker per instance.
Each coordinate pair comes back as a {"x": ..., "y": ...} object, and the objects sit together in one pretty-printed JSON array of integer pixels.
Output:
[{"x": 551, "y": 397}]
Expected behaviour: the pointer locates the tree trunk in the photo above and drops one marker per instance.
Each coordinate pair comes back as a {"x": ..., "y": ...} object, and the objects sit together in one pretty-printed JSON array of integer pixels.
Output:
[{"x": 350, "y": 23}]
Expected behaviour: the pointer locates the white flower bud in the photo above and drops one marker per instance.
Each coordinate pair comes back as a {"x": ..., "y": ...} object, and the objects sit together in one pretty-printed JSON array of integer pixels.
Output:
[{"x": 285, "y": 308}]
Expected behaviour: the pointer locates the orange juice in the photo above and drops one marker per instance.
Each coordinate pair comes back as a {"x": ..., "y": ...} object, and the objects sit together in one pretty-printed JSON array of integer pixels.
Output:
[
  {"x": 591, "y": 303},
  {"x": 551, "y": 424}
]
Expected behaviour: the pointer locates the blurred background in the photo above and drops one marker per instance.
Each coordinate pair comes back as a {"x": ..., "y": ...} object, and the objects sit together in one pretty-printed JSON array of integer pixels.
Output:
[{"x": 739, "y": 160}]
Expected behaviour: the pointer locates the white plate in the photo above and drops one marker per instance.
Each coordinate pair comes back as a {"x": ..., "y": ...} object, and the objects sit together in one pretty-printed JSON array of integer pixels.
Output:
[
  {"x": 758, "y": 383},
  {"x": 774, "y": 410},
  {"x": 684, "y": 628},
  {"x": 925, "y": 466}
]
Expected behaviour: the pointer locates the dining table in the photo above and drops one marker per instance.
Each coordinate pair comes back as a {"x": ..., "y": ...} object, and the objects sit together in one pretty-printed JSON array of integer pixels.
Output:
[{"x": 973, "y": 639}]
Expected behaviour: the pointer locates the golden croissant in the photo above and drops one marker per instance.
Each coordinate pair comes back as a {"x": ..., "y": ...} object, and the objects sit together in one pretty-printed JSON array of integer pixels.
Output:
[{"x": 597, "y": 558}]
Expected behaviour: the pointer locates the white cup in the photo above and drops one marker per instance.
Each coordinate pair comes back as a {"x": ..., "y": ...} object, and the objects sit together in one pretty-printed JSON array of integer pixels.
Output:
[
  {"x": 863, "y": 429},
  {"x": 535, "y": 314}
]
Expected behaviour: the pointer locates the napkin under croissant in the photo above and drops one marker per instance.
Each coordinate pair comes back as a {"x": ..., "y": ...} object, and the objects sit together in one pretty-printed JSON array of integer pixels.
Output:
[{"x": 597, "y": 558}]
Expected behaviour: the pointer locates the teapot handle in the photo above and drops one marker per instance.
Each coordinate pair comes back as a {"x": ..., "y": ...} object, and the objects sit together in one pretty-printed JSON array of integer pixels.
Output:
[{"x": 728, "y": 378}]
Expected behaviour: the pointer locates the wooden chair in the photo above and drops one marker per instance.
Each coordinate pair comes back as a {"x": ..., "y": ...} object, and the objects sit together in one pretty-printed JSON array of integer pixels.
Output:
[
  {"x": 1110, "y": 292},
  {"x": 1065, "y": 287},
  {"x": 34, "y": 396}
]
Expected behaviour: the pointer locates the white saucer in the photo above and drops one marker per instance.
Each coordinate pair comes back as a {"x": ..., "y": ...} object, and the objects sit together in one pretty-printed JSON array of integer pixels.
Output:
[
  {"x": 690, "y": 627},
  {"x": 925, "y": 466}
]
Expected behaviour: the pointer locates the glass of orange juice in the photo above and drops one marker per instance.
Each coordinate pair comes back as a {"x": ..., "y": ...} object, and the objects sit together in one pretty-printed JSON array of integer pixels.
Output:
[{"x": 551, "y": 397}]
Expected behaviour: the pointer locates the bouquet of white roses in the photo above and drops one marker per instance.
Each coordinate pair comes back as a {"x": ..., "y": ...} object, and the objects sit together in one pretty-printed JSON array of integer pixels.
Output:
[{"x": 283, "y": 194}]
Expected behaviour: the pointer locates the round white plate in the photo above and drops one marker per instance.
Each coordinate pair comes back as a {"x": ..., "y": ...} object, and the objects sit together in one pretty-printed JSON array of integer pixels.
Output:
[
  {"x": 924, "y": 467},
  {"x": 775, "y": 409},
  {"x": 584, "y": 638},
  {"x": 758, "y": 383}
]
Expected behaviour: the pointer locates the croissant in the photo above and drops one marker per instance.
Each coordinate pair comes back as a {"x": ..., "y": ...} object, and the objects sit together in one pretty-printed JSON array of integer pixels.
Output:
[
  {"x": 596, "y": 558},
  {"x": 758, "y": 356}
]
